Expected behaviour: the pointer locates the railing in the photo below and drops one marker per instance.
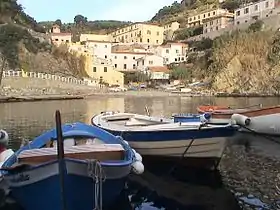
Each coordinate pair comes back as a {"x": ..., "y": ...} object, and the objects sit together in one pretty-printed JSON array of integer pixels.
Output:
[{"x": 39, "y": 75}]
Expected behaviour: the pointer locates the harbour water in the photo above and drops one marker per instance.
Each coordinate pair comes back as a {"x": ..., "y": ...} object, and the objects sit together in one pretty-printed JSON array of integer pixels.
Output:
[{"x": 248, "y": 177}]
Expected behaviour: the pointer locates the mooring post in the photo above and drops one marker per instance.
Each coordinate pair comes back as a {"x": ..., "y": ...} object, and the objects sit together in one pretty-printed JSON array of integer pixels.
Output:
[{"x": 60, "y": 157}]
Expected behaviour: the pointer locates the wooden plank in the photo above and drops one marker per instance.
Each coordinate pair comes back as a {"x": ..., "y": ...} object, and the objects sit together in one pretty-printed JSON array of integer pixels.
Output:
[{"x": 99, "y": 151}]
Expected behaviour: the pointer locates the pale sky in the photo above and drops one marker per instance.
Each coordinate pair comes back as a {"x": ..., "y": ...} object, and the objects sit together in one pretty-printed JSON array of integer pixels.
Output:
[{"x": 126, "y": 10}]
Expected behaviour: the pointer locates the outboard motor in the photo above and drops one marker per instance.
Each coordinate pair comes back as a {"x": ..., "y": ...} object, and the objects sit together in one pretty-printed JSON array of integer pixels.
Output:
[
  {"x": 205, "y": 117},
  {"x": 4, "y": 138},
  {"x": 4, "y": 152}
]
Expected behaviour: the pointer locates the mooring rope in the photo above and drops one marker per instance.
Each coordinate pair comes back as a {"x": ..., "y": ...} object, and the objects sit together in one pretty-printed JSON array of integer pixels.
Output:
[{"x": 95, "y": 171}]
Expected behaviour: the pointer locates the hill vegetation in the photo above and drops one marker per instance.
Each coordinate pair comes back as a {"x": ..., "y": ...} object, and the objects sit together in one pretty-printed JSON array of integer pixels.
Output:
[
  {"x": 83, "y": 25},
  {"x": 241, "y": 61},
  {"x": 21, "y": 50}
]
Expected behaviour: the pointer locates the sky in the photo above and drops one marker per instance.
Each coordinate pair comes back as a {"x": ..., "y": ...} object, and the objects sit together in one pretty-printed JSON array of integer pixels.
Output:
[{"x": 125, "y": 10}]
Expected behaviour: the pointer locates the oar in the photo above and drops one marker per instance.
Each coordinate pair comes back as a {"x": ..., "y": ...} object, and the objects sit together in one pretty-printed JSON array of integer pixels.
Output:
[{"x": 60, "y": 157}]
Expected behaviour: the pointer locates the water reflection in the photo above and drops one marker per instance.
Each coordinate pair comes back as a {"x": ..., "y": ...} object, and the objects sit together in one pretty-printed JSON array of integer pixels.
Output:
[{"x": 252, "y": 174}]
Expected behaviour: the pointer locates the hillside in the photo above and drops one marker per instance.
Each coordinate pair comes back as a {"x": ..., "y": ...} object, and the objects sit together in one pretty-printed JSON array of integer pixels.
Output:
[
  {"x": 22, "y": 45},
  {"x": 83, "y": 25}
]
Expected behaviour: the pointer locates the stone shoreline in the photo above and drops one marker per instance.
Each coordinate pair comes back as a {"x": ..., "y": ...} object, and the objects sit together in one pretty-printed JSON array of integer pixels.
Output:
[{"x": 10, "y": 99}]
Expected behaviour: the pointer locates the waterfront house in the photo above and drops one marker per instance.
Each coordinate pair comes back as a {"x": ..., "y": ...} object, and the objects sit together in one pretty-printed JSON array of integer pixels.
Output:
[{"x": 147, "y": 61}]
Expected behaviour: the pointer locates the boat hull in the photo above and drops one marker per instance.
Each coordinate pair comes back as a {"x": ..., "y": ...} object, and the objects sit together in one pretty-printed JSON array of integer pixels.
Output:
[
  {"x": 205, "y": 150},
  {"x": 249, "y": 113},
  {"x": 40, "y": 188}
]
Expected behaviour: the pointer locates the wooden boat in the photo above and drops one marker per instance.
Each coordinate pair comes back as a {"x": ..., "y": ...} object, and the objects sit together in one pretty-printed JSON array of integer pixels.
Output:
[
  {"x": 226, "y": 114},
  {"x": 208, "y": 108},
  {"x": 93, "y": 159},
  {"x": 197, "y": 143}
]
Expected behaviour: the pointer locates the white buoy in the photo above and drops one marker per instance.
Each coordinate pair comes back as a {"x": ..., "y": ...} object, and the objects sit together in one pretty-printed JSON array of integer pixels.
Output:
[
  {"x": 4, "y": 137},
  {"x": 238, "y": 119},
  {"x": 138, "y": 157},
  {"x": 138, "y": 167}
]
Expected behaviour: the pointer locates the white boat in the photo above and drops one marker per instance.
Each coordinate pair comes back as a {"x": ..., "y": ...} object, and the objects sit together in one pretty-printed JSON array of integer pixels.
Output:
[{"x": 198, "y": 143}]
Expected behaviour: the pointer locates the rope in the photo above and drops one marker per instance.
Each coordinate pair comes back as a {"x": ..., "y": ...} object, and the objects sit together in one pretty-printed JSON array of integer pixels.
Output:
[{"x": 95, "y": 171}]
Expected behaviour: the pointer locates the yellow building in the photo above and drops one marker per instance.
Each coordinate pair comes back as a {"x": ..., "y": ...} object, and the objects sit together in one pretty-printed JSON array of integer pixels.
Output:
[
  {"x": 169, "y": 30},
  {"x": 95, "y": 37},
  {"x": 105, "y": 73},
  {"x": 218, "y": 22},
  {"x": 200, "y": 18},
  {"x": 144, "y": 33}
]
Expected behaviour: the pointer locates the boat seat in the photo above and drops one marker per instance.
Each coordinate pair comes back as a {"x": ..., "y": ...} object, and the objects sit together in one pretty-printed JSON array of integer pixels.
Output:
[{"x": 134, "y": 122}]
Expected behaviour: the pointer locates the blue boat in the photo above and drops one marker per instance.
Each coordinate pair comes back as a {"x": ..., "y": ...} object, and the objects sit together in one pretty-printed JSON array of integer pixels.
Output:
[
  {"x": 188, "y": 139},
  {"x": 88, "y": 183}
]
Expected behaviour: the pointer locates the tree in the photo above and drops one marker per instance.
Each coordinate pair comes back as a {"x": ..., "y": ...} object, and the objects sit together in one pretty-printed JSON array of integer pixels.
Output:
[
  {"x": 256, "y": 26},
  {"x": 181, "y": 73},
  {"x": 80, "y": 20},
  {"x": 231, "y": 5},
  {"x": 58, "y": 22}
]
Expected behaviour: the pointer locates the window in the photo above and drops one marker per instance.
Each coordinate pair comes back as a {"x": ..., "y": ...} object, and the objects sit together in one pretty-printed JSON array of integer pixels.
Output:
[
  {"x": 256, "y": 7},
  {"x": 157, "y": 33},
  {"x": 151, "y": 62},
  {"x": 166, "y": 59},
  {"x": 67, "y": 41},
  {"x": 194, "y": 18},
  {"x": 105, "y": 69},
  {"x": 246, "y": 11},
  {"x": 217, "y": 28},
  {"x": 209, "y": 14},
  {"x": 56, "y": 39},
  {"x": 149, "y": 32},
  {"x": 237, "y": 22},
  {"x": 190, "y": 19},
  {"x": 143, "y": 62},
  {"x": 148, "y": 40},
  {"x": 133, "y": 58},
  {"x": 105, "y": 56},
  {"x": 125, "y": 57},
  {"x": 116, "y": 57},
  {"x": 157, "y": 41},
  {"x": 175, "y": 59},
  {"x": 198, "y": 17},
  {"x": 134, "y": 66},
  {"x": 94, "y": 69},
  {"x": 266, "y": 4},
  {"x": 95, "y": 45},
  {"x": 106, "y": 46},
  {"x": 204, "y": 16},
  {"x": 141, "y": 40},
  {"x": 124, "y": 66},
  {"x": 167, "y": 51},
  {"x": 238, "y": 13},
  {"x": 214, "y": 13},
  {"x": 177, "y": 51}
]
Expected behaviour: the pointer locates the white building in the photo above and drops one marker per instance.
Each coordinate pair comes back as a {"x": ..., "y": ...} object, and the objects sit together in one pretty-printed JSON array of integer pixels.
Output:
[
  {"x": 159, "y": 73},
  {"x": 254, "y": 11},
  {"x": 126, "y": 61},
  {"x": 100, "y": 49},
  {"x": 149, "y": 61},
  {"x": 173, "y": 52}
]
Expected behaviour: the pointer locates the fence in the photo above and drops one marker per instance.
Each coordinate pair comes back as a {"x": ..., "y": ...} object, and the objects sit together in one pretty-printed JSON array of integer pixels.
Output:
[{"x": 39, "y": 75}]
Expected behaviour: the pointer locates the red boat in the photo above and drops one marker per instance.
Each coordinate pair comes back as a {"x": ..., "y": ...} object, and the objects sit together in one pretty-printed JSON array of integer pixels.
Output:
[
  {"x": 227, "y": 113},
  {"x": 203, "y": 109}
]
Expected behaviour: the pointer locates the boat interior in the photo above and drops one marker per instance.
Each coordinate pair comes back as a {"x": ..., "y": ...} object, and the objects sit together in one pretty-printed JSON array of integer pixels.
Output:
[{"x": 134, "y": 122}]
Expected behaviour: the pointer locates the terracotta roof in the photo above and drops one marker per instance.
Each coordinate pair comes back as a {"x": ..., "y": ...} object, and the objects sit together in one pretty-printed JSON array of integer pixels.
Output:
[
  {"x": 61, "y": 34},
  {"x": 136, "y": 53},
  {"x": 159, "y": 69}
]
